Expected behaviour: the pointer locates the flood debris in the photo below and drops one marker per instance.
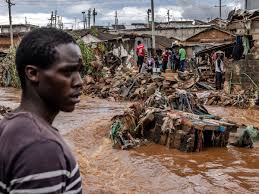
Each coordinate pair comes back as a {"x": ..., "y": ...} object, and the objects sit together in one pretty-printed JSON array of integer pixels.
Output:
[
  {"x": 129, "y": 85},
  {"x": 177, "y": 122},
  {"x": 123, "y": 130},
  {"x": 245, "y": 137},
  {"x": 126, "y": 84}
]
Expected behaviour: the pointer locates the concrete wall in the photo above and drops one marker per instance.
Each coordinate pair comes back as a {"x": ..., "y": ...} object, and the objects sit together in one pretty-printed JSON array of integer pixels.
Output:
[{"x": 15, "y": 29}]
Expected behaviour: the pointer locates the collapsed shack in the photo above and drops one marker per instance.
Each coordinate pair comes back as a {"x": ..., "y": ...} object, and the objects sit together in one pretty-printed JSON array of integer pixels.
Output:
[
  {"x": 175, "y": 122},
  {"x": 241, "y": 62},
  {"x": 243, "y": 72}
]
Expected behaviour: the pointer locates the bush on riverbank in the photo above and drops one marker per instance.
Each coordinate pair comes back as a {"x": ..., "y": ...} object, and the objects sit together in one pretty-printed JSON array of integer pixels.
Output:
[{"x": 8, "y": 73}]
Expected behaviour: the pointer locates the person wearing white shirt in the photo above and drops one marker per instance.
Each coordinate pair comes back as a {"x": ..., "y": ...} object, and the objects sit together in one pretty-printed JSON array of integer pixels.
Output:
[{"x": 219, "y": 70}]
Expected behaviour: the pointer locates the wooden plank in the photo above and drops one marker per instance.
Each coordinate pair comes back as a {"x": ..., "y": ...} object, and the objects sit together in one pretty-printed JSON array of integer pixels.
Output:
[{"x": 171, "y": 76}]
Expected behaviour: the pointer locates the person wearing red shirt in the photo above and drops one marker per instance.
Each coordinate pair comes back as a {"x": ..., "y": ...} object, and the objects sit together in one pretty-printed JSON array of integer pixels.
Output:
[
  {"x": 140, "y": 51},
  {"x": 165, "y": 57}
]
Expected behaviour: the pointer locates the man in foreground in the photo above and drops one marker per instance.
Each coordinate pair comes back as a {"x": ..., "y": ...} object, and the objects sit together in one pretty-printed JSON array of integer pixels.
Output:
[{"x": 34, "y": 158}]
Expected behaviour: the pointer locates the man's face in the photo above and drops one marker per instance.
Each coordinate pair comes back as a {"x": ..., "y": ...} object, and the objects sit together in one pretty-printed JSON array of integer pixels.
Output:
[{"x": 60, "y": 85}]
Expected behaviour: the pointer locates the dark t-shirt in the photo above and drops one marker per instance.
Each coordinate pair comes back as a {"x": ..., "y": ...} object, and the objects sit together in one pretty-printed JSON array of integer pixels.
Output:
[{"x": 34, "y": 157}]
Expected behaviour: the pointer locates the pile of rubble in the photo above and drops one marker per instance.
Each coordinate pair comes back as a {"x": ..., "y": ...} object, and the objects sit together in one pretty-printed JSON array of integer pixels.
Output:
[
  {"x": 129, "y": 85},
  {"x": 176, "y": 122},
  {"x": 220, "y": 98}
]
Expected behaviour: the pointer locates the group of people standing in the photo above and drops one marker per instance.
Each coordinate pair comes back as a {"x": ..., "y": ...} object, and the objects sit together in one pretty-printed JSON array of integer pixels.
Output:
[{"x": 174, "y": 59}]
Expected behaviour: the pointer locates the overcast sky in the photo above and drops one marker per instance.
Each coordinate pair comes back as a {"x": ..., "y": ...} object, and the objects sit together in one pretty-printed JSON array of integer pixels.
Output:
[{"x": 38, "y": 12}]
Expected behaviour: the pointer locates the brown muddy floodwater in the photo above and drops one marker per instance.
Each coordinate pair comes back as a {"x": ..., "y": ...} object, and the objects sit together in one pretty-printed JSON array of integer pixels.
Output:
[{"x": 152, "y": 168}]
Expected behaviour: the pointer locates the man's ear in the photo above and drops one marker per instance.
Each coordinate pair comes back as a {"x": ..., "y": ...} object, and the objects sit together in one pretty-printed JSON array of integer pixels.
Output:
[{"x": 32, "y": 73}]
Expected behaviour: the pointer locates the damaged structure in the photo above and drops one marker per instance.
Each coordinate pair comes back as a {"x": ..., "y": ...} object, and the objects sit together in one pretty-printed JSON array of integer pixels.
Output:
[
  {"x": 244, "y": 70},
  {"x": 175, "y": 122},
  {"x": 208, "y": 38}
]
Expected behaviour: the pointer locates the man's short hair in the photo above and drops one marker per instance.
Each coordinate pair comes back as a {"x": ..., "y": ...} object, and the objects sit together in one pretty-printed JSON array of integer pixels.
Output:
[
  {"x": 139, "y": 42},
  {"x": 38, "y": 48}
]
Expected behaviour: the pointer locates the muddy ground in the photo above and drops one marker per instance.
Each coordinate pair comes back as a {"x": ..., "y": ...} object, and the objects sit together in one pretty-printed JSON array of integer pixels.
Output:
[{"x": 152, "y": 168}]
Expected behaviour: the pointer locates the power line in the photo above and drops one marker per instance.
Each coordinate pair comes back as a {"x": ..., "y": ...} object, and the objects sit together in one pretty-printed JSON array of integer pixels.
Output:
[{"x": 220, "y": 8}]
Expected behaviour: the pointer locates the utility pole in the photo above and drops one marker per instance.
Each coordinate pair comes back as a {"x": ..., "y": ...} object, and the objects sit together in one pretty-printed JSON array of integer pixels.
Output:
[
  {"x": 89, "y": 18},
  {"x": 61, "y": 23},
  {"x": 51, "y": 19},
  {"x": 153, "y": 27},
  {"x": 168, "y": 16},
  {"x": 220, "y": 16},
  {"x": 148, "y": 17},
  {"x": 10, "y": 4},
  {"x": 116, "y": 20},
  {"x": 55, "y": 18},
  {"x": 246, "y": 5},
  {"x": 25, "y": 20},
  {"x": 220, "y": 11},
  {"x": 84, "y": 19},
  {"x": 94, "y": 15}
]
